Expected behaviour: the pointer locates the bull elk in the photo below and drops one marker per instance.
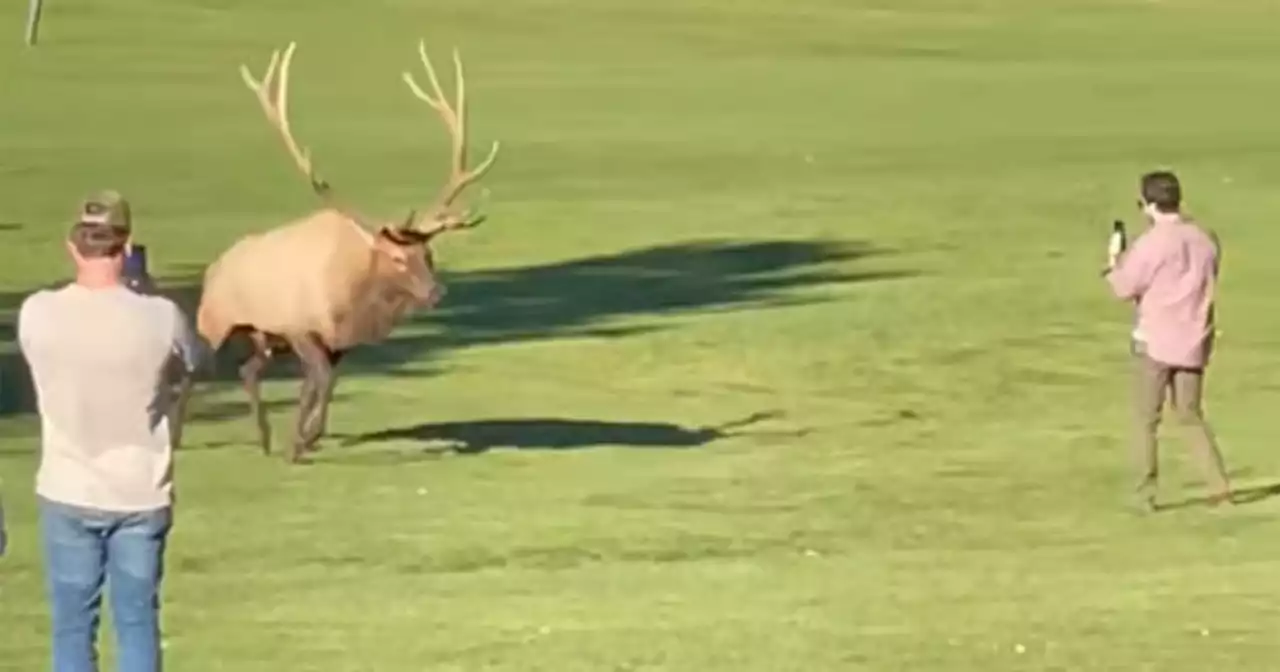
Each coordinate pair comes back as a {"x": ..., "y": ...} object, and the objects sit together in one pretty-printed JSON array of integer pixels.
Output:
[{"x": 325, "y": 283}]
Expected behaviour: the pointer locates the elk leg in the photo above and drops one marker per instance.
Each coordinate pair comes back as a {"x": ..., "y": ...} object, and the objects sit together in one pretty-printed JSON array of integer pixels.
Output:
[
  {"x": 314, "y": 397},
  {"x": 251, "y": 376},
  {"x": 334, "y": 358},
  {"x": 315, "y": 423}
]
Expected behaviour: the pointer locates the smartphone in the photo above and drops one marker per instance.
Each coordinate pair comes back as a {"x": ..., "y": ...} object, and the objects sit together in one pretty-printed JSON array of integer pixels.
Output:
[
  {"x": 1118, "y": 238},
  {"x": 136, "y": 275}
]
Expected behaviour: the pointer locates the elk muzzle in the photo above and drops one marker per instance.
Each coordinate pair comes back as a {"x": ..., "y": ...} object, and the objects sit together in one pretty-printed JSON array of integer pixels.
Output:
[
  {"x": 434, "y": 296},
  {"x": 425, "y": 295}
]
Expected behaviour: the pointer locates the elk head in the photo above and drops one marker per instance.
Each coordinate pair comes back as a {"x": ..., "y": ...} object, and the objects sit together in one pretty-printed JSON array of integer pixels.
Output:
[{"x": 403, "y": 259}]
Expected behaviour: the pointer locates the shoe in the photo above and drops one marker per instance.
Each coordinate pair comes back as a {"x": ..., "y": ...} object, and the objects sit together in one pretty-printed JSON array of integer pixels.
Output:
[
  {"x": 1145, "y": 496},
  {"x": 1147, "y": 504}
]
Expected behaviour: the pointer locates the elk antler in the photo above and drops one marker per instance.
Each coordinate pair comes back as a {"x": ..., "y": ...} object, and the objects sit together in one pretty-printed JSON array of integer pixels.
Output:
[
  {"x": 459, "y": 178},
  {"x": 277, "y": 112}
]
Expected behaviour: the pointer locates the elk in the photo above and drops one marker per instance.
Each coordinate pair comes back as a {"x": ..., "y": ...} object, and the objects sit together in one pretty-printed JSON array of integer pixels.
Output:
[{"x": 328, "y": 282}]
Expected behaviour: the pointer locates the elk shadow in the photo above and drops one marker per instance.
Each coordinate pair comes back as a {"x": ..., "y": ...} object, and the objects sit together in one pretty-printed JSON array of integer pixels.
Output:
[
  {"x": 606, "y": 296},
  {"x": 472, "y": 437}
]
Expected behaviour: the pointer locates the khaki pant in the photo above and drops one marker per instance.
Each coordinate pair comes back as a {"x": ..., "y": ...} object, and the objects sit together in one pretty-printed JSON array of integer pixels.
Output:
[{"x": 1185, "y": 388}]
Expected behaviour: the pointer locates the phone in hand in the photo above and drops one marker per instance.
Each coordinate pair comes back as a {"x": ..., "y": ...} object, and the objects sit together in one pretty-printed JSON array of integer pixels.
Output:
[
  {"x": 1117, "y": 243},
  {"x": 136, "y": 275}
]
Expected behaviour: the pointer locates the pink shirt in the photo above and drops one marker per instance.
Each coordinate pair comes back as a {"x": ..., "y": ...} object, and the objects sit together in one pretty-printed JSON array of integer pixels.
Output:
[{"x": 1172, "y": 272}]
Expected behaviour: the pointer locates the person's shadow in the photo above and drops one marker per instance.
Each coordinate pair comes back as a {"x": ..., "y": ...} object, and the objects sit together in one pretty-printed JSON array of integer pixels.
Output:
[
  {"x": 1242, "y": 496},
  {"x": 479, "y": 436}
]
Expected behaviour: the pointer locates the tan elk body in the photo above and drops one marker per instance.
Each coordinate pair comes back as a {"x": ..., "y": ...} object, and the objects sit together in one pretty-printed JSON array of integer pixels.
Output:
[
  {"x": 329, "y": 281},
  {"x": 324, "y": 275}
]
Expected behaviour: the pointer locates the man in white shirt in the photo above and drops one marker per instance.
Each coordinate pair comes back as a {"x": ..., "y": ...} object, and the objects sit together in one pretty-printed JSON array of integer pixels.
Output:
[{"x": 99, "y": 354}]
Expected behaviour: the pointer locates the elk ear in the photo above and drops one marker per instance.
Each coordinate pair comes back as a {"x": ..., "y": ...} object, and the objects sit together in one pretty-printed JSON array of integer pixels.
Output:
[
  {"x": 402, "y": 237},
  {"x": 386, "y": 242},
  {"x": 389, "y": 244}
]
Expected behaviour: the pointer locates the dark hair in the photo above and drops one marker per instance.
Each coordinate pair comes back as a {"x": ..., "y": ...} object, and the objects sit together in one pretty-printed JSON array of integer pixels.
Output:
[{"x": 1161, "y": 189}]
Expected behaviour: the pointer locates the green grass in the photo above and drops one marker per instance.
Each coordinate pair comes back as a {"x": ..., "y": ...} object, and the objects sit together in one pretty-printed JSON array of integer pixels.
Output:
[{"x": 877, "y": 224}]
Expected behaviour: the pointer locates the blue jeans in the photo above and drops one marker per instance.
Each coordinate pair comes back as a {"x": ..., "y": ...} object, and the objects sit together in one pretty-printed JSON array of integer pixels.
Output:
[{"x": 85, "y": 548}]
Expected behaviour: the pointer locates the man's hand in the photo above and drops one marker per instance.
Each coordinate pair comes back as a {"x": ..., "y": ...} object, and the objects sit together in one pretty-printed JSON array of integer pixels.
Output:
[{"x": 1115, "y": 245}]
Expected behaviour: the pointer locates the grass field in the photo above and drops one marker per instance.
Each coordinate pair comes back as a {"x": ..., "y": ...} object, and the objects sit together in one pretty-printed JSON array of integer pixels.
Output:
[{"x": 783, "y": 349}]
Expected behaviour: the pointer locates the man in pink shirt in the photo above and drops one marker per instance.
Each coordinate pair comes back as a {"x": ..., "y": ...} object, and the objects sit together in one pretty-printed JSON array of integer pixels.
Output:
[{"x": 1171, "y": 273}]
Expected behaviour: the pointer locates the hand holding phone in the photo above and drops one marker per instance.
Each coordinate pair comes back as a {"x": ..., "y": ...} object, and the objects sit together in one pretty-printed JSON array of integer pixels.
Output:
[{"x": 1116, "y": 244}]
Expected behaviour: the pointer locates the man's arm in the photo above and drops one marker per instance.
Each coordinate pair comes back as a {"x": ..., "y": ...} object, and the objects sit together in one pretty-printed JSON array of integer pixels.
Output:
[
  {"x": 186, "y": 345},
  {"x": 1131, "y": 275},
  {"x": 29, "y": 322},
  {"x": 1217, "y": 251}
]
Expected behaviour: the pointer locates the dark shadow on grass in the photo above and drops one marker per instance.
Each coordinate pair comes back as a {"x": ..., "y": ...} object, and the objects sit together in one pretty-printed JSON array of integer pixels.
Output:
[
  {"x": 1242, "y": 496},
  {"x": 207, "y": 411},
  {"x": 475, "y": 437},
  {"x": 608, "y": 296},
  {"x": 1257, "y": 494},
  {"x": 479, "y": 436},
  {"x": 9, "y": 226},
  {"x": 216, "y": 411}
]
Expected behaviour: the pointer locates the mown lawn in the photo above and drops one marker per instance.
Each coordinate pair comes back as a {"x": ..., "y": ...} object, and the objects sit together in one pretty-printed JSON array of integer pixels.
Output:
[{"x": 784, "y": 347}]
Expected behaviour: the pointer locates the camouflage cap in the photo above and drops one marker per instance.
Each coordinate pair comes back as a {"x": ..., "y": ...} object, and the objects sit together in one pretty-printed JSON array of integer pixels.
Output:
[
  {"x": 103, "y": 227},
  {"x": 106, "y": 208}
]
